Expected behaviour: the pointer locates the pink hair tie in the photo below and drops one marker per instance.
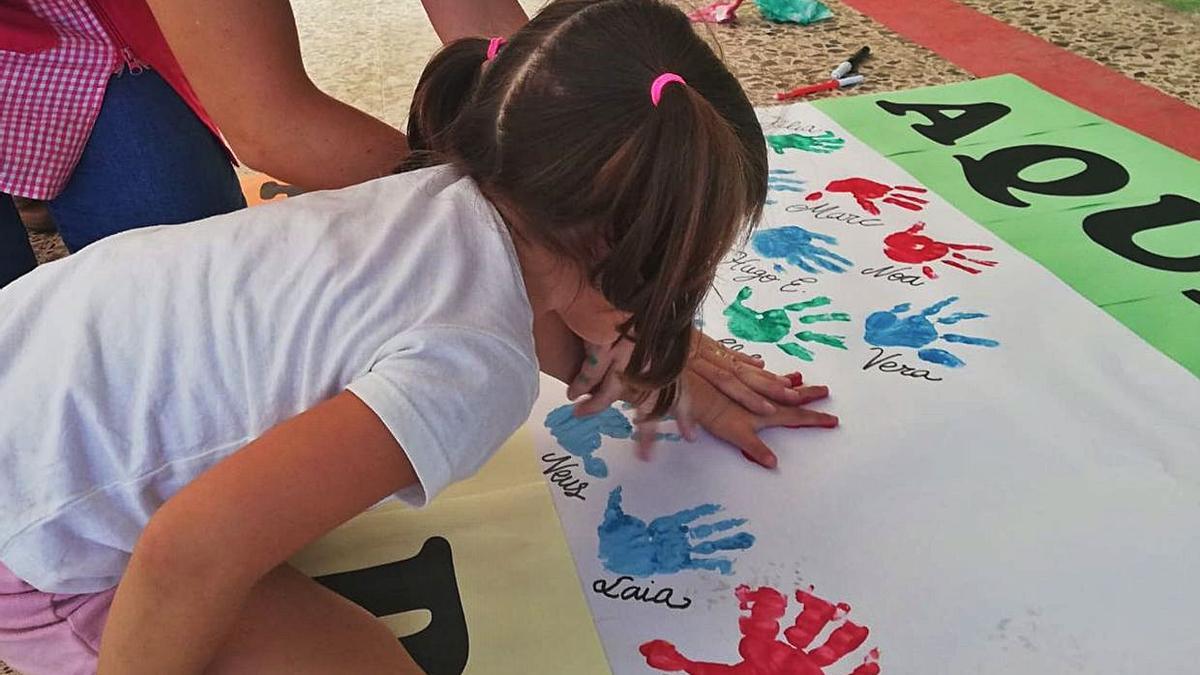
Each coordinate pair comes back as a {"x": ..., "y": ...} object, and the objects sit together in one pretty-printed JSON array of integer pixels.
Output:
[
  {"x": 660, "y": 82},
  {"x": 494, "y": 46}
]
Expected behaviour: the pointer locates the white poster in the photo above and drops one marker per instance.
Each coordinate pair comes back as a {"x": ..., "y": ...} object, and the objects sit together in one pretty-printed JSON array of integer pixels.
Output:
[{"x": 1014, "y": 487}]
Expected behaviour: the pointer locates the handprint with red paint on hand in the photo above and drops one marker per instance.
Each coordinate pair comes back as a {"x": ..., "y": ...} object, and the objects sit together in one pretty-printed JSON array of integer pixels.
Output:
[
  {"x": 909, "y": 246},
  {"x": 760, "y": 648},
  {"x": 721, "y": 11},
  {"x": 865, "y": 191}
]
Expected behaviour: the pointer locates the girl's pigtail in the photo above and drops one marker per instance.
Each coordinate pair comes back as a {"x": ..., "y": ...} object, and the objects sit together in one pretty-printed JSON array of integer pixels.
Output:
[
  {"x": 446, "y": 85},
  {"x": 688, "y": 187}
]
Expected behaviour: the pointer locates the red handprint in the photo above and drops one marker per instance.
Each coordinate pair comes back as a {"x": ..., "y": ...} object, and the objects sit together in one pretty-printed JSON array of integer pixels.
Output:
[
  {"x": 909, "y": 246},
  {"x": 721, "y": 11},
  {"x": 866, "y": 191},
  {"x": 762, "y": 652}
]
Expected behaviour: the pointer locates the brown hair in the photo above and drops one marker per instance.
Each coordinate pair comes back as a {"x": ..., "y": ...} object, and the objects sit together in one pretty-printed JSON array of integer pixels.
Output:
[{"x": 560, "y": 126}]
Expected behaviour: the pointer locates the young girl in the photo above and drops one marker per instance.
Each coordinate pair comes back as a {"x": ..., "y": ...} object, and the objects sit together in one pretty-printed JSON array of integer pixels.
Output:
[{"x": 225, "y": 393}]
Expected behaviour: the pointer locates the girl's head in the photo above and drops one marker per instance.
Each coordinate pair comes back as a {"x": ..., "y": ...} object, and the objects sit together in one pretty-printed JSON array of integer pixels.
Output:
[{"x": 559, "y": 128}]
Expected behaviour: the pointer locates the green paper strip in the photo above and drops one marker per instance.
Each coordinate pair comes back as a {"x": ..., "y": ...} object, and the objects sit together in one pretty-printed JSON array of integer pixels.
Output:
[{"x": 1155, "y": 303}]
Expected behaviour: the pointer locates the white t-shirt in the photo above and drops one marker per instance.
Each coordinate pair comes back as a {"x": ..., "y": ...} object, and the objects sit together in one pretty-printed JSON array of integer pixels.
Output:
[{"x": 134, "y": 365}]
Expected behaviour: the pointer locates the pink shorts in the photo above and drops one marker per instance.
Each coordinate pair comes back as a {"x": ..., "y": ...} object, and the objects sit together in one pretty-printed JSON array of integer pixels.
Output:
[{"x": 49, "y": 633}]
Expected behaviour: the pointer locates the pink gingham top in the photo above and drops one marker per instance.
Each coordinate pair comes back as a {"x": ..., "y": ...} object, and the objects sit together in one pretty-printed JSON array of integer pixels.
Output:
[{"x": 50, "y": 94}]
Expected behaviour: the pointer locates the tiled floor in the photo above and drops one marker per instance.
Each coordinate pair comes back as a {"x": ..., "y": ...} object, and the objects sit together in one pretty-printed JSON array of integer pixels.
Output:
[{"x": 1144, "y": 40}]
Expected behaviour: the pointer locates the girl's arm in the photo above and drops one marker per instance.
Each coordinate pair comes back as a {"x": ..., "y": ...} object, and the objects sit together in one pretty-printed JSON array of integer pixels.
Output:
[
  {"x": 204, "y": 550},
  {"x": 243, "y": 60}
]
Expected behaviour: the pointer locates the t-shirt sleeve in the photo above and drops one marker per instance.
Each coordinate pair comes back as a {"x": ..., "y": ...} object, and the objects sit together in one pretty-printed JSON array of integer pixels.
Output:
[{"x": 450, "y": 397}]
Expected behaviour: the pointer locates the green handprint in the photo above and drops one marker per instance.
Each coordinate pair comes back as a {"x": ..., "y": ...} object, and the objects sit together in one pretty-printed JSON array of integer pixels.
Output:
[
  {"x": 773, "y": 325},
  {"x": 823, "y": 144}
]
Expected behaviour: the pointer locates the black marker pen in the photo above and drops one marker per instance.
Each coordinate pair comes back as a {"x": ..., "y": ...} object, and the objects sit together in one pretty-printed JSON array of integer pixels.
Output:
[{"x": 850, "y": 63}]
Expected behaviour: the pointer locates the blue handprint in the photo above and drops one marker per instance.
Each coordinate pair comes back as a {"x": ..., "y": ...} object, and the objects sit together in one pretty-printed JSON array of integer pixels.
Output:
[
  {"x": 797, "y": 246},
  {"x": 581, "y": 436},
  {"x": 669, "y": 543},
  {"x": 887, "y": 329},
  {"x": 781, "y": 180}
]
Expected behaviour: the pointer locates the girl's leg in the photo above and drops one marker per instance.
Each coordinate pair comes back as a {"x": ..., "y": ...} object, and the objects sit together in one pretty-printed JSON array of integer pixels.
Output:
[
  {"x": 16, "y": 255},
  {"x": 148, "y": 161},
  {"x": 291, "y": 624}
]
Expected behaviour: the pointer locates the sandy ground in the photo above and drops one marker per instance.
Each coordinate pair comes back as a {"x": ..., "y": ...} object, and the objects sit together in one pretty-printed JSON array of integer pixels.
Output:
[{"x": 371, "y": 56}]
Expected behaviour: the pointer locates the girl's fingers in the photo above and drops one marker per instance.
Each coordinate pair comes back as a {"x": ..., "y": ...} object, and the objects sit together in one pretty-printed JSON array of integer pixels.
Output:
[
  {"x": 810, "y": 394},
  {"x": 752, "y": 361},
  {"x": 581, "y": 385},
  {"x": 683, "y": 416},
  {"x": 608, "y": 393},
  {"x": 775, "y": 388},
  {"x": 754, "y": 449},
  {"x": 596, "y": 363},
  {"x": 601, "y": 376},
  {"x": 795, "y": 418},
  {"x": 730, "y": 384},
  {"x": 720, "y": 353},
  {"x": 709, "y": 349},
  {"x": 647, "y": 434}
]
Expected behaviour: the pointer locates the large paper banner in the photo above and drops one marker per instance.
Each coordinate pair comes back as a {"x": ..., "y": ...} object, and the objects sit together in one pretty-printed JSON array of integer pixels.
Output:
[{"x": 1015, "y": 487}]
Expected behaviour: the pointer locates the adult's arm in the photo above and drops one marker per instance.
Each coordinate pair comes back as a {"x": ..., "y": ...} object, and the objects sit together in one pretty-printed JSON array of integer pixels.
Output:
[
  {"x": 242, "y": 57},
  {"x": 454, "y": 19}
]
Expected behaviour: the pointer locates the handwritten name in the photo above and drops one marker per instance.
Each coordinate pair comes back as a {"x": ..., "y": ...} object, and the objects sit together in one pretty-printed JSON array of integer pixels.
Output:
[
  {"x": 889, "y": 364},
  {"x": 560, "y": 474},
  {"x": 893, "y": 273},
  {"x": 630, "y": 591},
  {"x": 779, "y": 123},
  {"x": 827, "y": 211},
  {"x": 748, "y": 268}
]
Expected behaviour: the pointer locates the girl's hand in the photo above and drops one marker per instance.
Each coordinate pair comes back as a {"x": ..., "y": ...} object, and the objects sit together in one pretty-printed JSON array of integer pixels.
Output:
[
  {"x": 728, "y": 393},
  {"x": 740, "y": 377},
  {"x": 734, "y": 424},
  {"x": 600, "y": 378}
]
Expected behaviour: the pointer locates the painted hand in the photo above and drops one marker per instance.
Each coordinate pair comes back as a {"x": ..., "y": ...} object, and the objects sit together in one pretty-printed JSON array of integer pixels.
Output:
[
  {"x": 781, "y": 180},
  {"x": 763, "y": 653},
  {"x": 773, "y": 325},
  {"x": 582, "y": 436},
  {"x": 796, "y": 245},
  {"x": 600, "y": 376},
  {"x": 887, "y": 329},
  {"x": 733, "y": 423},
  {"x": 742, "y": 378},
  {"x": 823, "y": 143},
  {"x": 912, "y": 247},
  {"x": 721, "y": 11},
  {"x": 738, "y": 377},
  {"x": 866, "y": 192},
  {"x": 668, "y": 544}
]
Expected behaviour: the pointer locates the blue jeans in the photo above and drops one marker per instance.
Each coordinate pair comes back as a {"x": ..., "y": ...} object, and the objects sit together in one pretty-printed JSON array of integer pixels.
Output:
[{"x": 148, "y": 161}]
